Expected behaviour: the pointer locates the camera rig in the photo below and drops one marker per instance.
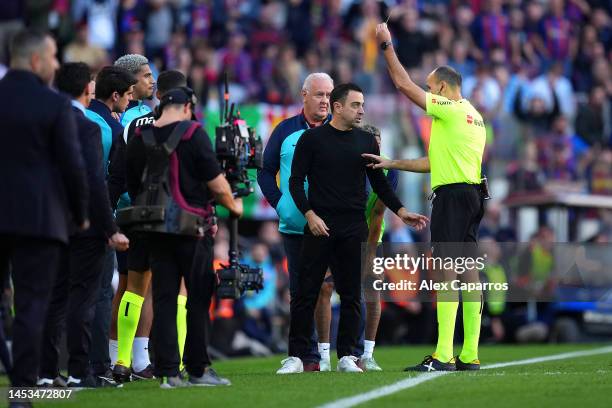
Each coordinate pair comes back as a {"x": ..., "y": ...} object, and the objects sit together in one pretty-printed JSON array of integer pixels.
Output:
[{"x": 238, "y": 149}]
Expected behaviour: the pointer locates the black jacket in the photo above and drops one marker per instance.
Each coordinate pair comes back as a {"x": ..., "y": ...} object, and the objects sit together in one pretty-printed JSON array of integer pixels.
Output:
[
  {"x": 43, "y": 183},
  {"x": 101, "y": 217}
]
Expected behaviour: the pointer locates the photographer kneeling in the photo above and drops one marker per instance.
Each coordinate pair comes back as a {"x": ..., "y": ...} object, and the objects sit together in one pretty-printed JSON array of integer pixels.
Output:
[{"x": 172, "y": 171}]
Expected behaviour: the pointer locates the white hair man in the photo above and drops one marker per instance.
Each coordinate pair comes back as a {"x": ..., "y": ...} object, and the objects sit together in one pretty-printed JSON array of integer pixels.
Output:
[{"x": 278, "y": 156}]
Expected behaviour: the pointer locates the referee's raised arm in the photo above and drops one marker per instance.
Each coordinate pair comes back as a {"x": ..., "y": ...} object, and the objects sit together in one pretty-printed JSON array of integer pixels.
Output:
[{"x": 454, "y": 159}]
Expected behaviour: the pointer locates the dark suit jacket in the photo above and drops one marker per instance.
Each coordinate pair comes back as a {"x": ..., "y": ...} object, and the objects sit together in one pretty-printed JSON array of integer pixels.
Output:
[
  {"x": 42, "y": 176},
  {"x": 101, "y": 217}
]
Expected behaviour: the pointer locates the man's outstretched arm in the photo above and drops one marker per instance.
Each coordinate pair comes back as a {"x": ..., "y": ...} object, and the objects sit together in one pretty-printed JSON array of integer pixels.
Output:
[
  {"x": 420, "y": 165},
  {"x": 399, "y": 76}
]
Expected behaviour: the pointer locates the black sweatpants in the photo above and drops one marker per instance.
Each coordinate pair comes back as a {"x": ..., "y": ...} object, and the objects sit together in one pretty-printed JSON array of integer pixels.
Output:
[
  {"x": 343, "y": 250},
  {"x": 73, "y": 302},
  {"x": 173, "y": 258},
  {"x": 293, "y": 248},
  {"x": 34, "y": 264}
]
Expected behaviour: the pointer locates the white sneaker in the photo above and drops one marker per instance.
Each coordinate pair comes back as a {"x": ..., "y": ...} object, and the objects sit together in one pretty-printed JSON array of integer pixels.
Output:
[
  {"x": 291, "y": 365},
  {"x": 324, "y": 365},
  {"x": 369, "y": 364},
  {"x": 348, "y": 364}
]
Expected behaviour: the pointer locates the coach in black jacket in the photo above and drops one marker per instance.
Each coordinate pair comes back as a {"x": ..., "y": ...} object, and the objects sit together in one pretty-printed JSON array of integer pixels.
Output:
[
  {"x": 78, "y": 280},
  {"x": 42, "y": 187}
]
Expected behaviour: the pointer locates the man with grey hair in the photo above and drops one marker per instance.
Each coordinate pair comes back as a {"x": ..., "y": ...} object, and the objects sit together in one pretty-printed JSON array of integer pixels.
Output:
[
  {"x": 138, "y": 66},
  {"x": 123, "y": 325},
  {"x": 278, "y": 156}
]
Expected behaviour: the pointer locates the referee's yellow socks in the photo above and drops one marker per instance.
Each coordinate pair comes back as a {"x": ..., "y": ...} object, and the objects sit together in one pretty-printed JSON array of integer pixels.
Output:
[
  {"x": 447, "y": 314},
  {"x": 472, "y": 312},
  {"x": 181, "y": 325},
  {"x": 127, "y": 323}
]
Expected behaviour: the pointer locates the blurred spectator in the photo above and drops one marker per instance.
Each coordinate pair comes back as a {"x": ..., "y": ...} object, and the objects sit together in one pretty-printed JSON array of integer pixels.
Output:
[
  {"x": 593, "y": 119},
  {"x": 525, "y": 174},
  {"x": 81, "y": 51},
  {"x": 259, "y": 306},
  {"x": 12, "y": 16},
  {"x": 490, "y": 29}
]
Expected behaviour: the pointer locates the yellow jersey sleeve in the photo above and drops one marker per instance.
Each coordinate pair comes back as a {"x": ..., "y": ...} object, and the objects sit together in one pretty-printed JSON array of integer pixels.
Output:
[{"x": 439, "y": 106}]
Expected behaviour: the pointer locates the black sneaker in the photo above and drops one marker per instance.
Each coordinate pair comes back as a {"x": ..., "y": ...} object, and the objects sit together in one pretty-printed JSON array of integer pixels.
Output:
[
  {"x": 471, "y": 366},
  {"x": 121, "y": 374},
  {"x": 432, "y": 364},
  {"x": 57, "y": 382},
  {"x": 146, "y": 374},
  {"x": 91, "y": 381}
]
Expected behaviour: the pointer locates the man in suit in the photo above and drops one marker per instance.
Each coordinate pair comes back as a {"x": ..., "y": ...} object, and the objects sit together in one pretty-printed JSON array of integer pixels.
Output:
[
  {"x": 78, "y": 280},
  {"x": 43, "y": 187},
  {"x": 114, "y": 89}
]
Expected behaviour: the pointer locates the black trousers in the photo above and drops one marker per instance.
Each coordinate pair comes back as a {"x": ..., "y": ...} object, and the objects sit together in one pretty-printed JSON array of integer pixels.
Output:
[
  {"x": 343, "y": 250},
  {"x": 34, "y": 264},
  {"x": 293, "y": 248},
  {"x": 72, "y": 305},
  {"x": 100, "y": 326},
  {"x": 171, "y": 259}
]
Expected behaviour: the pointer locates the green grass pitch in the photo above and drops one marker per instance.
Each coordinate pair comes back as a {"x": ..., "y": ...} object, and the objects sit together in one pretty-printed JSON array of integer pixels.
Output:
[{"x": 583, "y": 382}]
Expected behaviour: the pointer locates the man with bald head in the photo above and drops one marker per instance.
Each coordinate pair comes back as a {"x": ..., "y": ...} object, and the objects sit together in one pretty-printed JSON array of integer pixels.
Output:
[
  {"x": 278, "y": 157},
  {"x": 44, "y": 188},
  {"x": 454, "y": 160}
]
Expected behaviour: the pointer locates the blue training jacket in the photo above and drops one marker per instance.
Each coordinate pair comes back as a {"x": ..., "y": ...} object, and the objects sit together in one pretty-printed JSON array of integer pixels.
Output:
[
  {"x": 278, "y": 156},
  {"x": 135, "y": 109}
]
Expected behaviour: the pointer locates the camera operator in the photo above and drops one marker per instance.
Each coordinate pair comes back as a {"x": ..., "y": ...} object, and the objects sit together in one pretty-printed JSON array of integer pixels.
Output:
[
  {"x": 132, "y": 323},
  {"x": 194, "y": 176}
]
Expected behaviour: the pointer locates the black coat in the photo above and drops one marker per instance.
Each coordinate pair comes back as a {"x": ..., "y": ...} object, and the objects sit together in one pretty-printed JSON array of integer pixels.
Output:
[
  {"x": 101, "y": 217},
  {"x": 43, "y": 184}
]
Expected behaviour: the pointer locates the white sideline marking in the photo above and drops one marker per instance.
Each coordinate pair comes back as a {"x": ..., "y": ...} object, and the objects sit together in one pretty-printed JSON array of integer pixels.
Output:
[{"x": 419, "y": 379}]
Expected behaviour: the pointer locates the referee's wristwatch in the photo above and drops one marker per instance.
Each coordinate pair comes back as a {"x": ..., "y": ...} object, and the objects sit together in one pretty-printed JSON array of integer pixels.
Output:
[{"x": 385, "y": 44}]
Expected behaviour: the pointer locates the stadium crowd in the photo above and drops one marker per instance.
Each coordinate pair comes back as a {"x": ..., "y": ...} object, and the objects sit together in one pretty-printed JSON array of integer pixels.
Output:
[{"x": 540, "y": 71}]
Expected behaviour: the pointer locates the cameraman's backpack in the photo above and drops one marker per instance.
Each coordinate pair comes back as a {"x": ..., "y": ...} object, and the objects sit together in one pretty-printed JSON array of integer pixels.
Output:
[{"x": 160, "y": 206}]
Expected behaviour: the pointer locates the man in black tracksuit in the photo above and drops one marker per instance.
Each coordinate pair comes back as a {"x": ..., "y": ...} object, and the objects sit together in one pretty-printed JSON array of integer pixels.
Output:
[{"x": 330, "y": 156}]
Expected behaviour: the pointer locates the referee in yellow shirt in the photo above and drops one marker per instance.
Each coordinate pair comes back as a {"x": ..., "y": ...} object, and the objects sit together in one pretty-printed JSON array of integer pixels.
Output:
[{"x": 454, "y": 159}]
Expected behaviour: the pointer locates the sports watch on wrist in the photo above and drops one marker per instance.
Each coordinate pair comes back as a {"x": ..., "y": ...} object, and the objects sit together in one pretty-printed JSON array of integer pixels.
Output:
[{"x": 384, "y": 45}]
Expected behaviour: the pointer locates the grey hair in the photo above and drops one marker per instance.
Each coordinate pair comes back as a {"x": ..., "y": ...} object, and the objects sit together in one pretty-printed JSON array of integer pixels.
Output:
[
  {"x": 132, "y": 62},
  {"x": 27, "y": 42},
  {"x": 371, "y": 129},
  {"x": 314, "y": 76}
]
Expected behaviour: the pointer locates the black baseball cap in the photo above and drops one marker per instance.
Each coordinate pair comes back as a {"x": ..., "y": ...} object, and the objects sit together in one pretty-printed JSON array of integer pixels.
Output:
[{"x": 178, "y": 96}]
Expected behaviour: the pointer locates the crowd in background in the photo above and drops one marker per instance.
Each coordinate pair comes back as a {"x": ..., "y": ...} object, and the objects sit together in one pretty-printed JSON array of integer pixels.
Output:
[{"x": 540, "y": 72}]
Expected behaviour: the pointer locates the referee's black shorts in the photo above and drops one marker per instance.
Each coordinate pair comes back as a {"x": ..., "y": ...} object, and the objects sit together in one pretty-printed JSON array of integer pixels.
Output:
[{"x": 455, "y": 219}]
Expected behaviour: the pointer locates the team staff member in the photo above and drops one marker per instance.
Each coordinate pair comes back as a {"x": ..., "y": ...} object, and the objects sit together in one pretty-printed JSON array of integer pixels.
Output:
[
  {"x": 454, "y": 160},
  {"x": 78, "y": 280},
  {"x": 375, "y": 217},
  {"x": 330, "y": 156},
  {"x": 173, "y": 257},
  {"x": 43, "y": 186},
  {"x": 278, "y": 157},
  {"x": 134, "y": 323},
  {"x": 114, "y": 89}
]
